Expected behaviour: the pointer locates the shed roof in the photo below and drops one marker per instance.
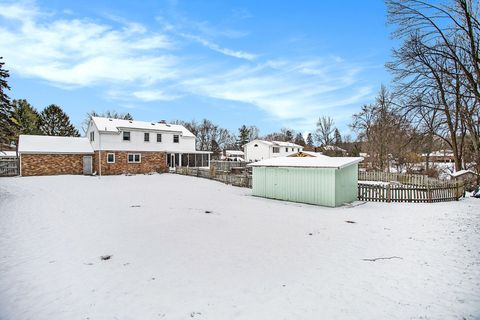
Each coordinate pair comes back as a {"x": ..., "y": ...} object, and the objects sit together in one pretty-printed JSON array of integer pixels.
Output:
[
  {"x": 114, "y": 125},
  {"x": 53, "y": 144},
  {"x": 308, "y": 162}
]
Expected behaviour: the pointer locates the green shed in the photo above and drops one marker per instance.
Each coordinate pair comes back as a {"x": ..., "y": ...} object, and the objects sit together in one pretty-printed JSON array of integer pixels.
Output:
[{"x": 325, "y": 181}]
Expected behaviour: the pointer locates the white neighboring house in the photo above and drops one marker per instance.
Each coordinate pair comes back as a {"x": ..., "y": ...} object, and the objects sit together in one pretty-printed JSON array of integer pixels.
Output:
[
  {"x": 233, "y": 155},
  {"x": 257, "y": 150},
  {"x": 118, "y": 136}
]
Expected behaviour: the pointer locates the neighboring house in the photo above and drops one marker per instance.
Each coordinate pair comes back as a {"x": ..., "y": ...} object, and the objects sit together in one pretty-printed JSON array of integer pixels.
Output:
[
  {"x": 466, "y": 177},
  {"x": 257, "y": 150},
  {"x": 334, "y": 150},
  {"x": 233, "y": 155},
  {"x": 307, "y": 154},
  {"x": 112, "y": 146},
  {"x": 48, "y": 155},
  {"x": 138, "y": 146},
  {"x": 445, "y": 156},
  {"x": 326, "y": 181}
]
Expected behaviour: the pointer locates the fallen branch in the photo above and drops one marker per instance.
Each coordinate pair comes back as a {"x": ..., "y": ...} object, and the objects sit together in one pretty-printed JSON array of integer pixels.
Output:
[{"x": 382, "y": 258}]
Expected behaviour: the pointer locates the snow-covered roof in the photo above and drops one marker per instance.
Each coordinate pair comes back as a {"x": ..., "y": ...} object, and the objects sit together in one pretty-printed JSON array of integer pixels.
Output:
[
  {"x": 439, "y": 153},
  {"x": 52, "y": 144},
  {"x": 308, "y": 162},
  {"x": 115, "y": 125},
  {"x": 309, "y": 153},
  {"x": 7, "y": 154},
  {"x": 235, "y": 152},
  {"x": 334, "y": 148},
  {"x": 276, "y": 143},
  {"x": 461, "y": 173}
]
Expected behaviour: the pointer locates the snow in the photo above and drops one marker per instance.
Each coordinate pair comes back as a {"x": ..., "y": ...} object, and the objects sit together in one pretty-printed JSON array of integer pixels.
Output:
[
  {"x": 8, "y": 154},
  {"x": 276, "y": 143},
  {"x": 310, "y": 153},
  {"x": 246, "y": 258},
  {"x": 308, "y": 162},
  {"x": 52, "y": 144},
  {"x": 460, "y": 173},
  {"x": 115, "y": 125}
]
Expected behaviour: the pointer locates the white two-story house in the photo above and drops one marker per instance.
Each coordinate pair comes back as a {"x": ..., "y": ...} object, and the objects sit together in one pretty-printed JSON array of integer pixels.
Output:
[
  {"x": 137, "y": 146},
  {"x": 257, "y": 150}
]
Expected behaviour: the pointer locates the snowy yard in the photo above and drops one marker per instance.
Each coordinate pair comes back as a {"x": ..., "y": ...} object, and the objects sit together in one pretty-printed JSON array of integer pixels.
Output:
[{"x": 189, "y": 248}]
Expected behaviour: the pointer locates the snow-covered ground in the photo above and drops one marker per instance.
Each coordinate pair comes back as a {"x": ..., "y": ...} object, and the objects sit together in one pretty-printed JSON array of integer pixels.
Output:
[{"x": 189, "y": 248}]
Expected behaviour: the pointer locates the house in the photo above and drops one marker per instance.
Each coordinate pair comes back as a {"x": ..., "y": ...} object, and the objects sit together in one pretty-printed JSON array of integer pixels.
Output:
[
  {"x": 326, "y": 181},
  {"x": 307, "y": 154},
  {"x": 48, "y": 155},
  {"x": 257, "y": 150},
  {"x": 233, "y": 155},
  {"x": 466, "y": 177},
  {"x": 444, "y": 156},
  {"x": 112, "y": 146}
]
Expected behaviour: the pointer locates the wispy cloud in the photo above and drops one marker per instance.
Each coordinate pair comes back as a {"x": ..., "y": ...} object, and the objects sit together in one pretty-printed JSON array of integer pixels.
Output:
[{"x": 135, "y": 64}]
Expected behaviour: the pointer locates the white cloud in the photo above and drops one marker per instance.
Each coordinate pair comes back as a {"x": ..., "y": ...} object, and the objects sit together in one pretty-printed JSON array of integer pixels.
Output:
[{"x": 154, "y": 95}]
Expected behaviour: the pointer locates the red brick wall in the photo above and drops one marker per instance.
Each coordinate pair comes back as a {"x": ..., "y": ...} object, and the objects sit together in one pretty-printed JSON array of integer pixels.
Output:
[
  {"x": 51, "y": 164},
  {"x": 150, "y": 162}
]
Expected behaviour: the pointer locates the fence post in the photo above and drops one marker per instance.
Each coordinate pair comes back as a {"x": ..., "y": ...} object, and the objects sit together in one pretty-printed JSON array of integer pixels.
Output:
[
  {"x": 429, "y": 196},
  {"x": 388, "y": 193}
]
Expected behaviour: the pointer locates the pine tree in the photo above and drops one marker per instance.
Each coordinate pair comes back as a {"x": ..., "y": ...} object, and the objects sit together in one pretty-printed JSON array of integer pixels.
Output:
[
  {"x": 26, "y": 118},
  {"x": 337, "y": 137},
  {"x": 55, "y": 122},
  {"x": 6, "y": 123},
  {"x": 309, "y": 140},
  {"x": 299, "y": 139},
  {"x": 243, "y": 134}
]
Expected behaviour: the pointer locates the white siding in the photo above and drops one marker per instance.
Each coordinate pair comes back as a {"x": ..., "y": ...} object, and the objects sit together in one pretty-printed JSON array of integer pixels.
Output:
[{"x": 265, "y": 151}]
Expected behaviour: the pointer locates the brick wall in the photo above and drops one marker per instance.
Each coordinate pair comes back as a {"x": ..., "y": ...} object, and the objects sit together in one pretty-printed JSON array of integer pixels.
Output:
[
  {"x": 51, "y": 164},
  {"x": 150, "y": 162}
]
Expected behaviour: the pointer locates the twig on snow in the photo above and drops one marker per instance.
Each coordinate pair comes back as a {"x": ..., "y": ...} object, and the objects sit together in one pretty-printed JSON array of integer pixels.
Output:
[{"x": 383, "y": 258}]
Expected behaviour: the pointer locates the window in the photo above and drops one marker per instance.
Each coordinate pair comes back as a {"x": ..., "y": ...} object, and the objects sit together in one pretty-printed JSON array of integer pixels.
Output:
[
  {"x": 286, "y": 149},
  {"x": 175, "y": 138},
  {"x": 126, "y": 136},
  {"x": 276, "y": 149},
  {"x": 256, "y": 145},
  {"x": 146, "y": 137},
  {"x": 134, "y": 158},
  {"x": 110, "y": 157},
  {"x": 92, "y": 136},
  {"x": 159, "y": 137}
]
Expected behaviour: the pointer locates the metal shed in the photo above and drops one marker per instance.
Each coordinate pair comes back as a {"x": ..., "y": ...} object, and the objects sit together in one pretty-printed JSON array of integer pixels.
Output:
[{"x": 325, "y": 181}]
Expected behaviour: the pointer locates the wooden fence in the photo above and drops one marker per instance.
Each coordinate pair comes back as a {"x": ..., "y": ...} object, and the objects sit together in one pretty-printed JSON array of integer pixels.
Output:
[
  {"x": 400, "y": 187},
  {"x": 8, "y": 167},
  {"x": 227, "y": 165},
  {"x": 239, "y": 180}
]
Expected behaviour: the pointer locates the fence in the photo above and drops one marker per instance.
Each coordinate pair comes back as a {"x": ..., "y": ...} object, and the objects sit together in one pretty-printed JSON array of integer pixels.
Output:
[
  {"x": 8, "y": 167},
  {"x": 400, "y": 187},
  {"x": 227, "y": 165},
  {"x": 239, "y": 180}
]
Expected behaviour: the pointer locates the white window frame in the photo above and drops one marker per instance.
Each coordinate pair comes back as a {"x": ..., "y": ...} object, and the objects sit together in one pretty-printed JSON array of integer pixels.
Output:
[
  {"x": 111, "y": 154},
  {"x": 159, "y": 135},
  {"x": 178, "y": 138},
  {"x": 129, "y": 136},
  {"x": 133, "y": 155},
  {"x": 92, "y": 136},
  {"x": 145, "y": 135},
  {"x": 275, "y": 149}
]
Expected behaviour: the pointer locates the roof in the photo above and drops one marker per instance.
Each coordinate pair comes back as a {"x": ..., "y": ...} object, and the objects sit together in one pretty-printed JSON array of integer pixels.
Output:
[
  {"x": 461, "y": 173},
  {"x": 439, "y": 153},
  {"x": 308, "y": 153},
  {"x": 334, "y": 148},
  {"x": 115, "y": 125},
  {"x": 8, "y": 154},
  {"x": 308, "y": 162},
  {"x": 235, "y": 152},
  {"x": 53, "y": 144},
  {"x": 276, "y": 143}
]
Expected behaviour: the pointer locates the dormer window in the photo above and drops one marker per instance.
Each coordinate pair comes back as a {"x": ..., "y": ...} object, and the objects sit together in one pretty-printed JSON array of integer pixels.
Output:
[
  {"x": 176, "y": 138},
  {"x": 126, "y": 136}
]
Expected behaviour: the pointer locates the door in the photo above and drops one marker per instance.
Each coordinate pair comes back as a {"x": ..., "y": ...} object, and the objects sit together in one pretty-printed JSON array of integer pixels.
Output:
[{"x": 87, "y": 165}]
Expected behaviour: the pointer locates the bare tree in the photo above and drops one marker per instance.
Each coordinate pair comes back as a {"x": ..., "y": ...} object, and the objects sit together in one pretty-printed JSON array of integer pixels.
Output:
[{"x": 324, "y": 133}]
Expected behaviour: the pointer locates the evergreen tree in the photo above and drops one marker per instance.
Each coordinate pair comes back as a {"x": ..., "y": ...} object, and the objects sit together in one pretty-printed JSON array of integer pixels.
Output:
[
  {"x": 299, "y": 139},
  {"x": 6, "y": 123},
  {"x": 55, "y": 122},
  {"x": 309, "y": 140},
  {"x": 288, "y": 135},
  {"x": 26, "y": 118},
  {"x": 337, "y": 137},
  {"x": 243, "y": 136}
]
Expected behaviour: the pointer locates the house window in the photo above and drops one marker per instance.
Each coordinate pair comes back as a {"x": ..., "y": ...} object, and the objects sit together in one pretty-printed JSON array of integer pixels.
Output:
[
  {"x": 286, "y": 149},
  {"x": 126, "y": 136},
  {"x": 159, "y": 137},
  {"x": 175, "y": 138},
  {"x": 92, "y": 136},
  {"x": 276, "y": 150},
  {"x": 134, "y": 158},
  {"x": 146, "y": 137},
  {"x": 256, "y": 145},
  {"x": 110, "y": 157}
]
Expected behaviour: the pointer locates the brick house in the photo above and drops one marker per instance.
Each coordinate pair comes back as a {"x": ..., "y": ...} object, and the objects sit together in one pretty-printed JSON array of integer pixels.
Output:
[{"x": 113, "y": 146}]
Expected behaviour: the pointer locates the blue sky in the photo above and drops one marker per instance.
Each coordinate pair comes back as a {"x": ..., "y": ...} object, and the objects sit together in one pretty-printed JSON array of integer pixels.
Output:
[{"x": 272, "y": 64}]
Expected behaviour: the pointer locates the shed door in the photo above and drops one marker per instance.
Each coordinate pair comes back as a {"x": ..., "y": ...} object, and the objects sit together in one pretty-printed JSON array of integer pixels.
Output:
[{"x": 87, "y": 165}]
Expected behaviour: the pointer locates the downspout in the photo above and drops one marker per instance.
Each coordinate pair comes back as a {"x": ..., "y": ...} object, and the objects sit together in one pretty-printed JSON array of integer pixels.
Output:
[{"x": 99, "y": 154}]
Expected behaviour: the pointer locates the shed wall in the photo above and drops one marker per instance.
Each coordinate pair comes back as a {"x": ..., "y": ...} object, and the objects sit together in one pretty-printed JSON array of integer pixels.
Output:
[
  {"x": 346, "y": 185},
  {"x": 306, "y": 185}
]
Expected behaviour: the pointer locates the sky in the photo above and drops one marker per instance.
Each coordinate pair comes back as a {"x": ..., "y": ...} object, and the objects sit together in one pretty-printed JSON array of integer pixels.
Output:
[{"x": 272, "y": 64}]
